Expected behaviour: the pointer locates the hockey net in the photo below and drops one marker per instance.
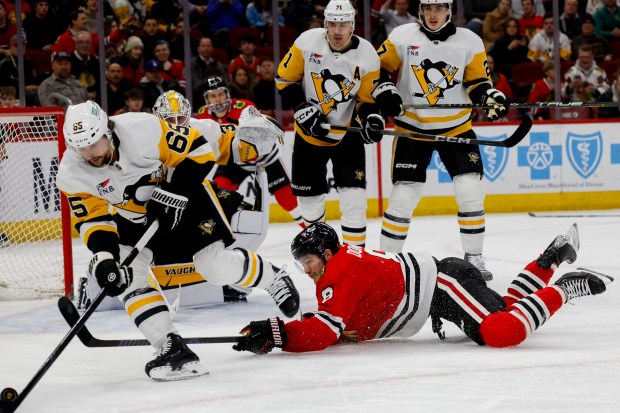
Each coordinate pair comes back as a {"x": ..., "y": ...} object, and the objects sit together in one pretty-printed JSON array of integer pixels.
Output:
[{"x": 34, "y": 260}]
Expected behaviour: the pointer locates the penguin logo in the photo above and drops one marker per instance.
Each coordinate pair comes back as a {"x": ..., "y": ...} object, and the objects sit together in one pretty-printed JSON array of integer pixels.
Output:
[
  {"x": 434, "y": 78},
  {"x": 331, "y": 90},
  {"x": 140, "y": 192},
  {"x": 207, "y": 226}
]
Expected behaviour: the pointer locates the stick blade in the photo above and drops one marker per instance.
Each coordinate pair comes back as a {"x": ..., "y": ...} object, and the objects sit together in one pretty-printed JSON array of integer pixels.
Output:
[
  {"x": 71, "y": 316},
  {"x": 520, "y": 133}
]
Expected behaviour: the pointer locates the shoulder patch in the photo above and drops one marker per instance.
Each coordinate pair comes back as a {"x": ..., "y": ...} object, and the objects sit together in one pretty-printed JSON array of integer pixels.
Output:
[
  {"x": 202, "y": 109},
  {"x": 239, "y": 104}
]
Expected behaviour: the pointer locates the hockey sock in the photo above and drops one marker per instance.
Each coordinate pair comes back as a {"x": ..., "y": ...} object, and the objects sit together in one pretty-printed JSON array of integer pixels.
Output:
[
  {"x": 257, "y": 272},
  {"x": 288, "y": 201},
  {"x": 149, "y": 312},
  {"x": 225, "y": 183},
  {"x": 471, "y": 225},
  {"x": 509, "y": 328},
  {"x": 531, "y": 279},
  {"x": 393, "y": 232}
]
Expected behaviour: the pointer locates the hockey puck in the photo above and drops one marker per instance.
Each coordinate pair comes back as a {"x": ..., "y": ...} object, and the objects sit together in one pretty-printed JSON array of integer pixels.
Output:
[{"x": 8, "y": 395}]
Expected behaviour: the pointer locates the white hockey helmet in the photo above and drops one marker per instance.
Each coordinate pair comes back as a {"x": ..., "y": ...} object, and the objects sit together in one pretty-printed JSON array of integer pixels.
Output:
[
  {"x": 339, "y": 11},
  {"x": 173, "y": 107},
  {"x": 85, "y": 124},
  {"x": 421, "y": 13}
]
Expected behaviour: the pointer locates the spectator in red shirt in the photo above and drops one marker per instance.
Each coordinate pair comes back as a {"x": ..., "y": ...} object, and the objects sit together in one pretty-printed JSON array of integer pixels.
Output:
[
  {"x": 530, "y": 23},
  {"x": 542, "y": 91},
  {"x": 172, "y": 69},
  {"x": 132, "y": 60},
  {"x": 246, "y": 59},
  {"x": 66, "y": 41}
]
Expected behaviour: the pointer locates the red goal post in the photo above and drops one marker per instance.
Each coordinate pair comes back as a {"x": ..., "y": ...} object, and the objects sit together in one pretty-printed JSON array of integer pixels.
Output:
[{"x": 35, "y": 222}]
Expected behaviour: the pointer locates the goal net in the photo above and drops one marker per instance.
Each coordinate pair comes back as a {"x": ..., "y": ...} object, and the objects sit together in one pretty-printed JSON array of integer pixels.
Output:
[{"x": 34, "y": 260}]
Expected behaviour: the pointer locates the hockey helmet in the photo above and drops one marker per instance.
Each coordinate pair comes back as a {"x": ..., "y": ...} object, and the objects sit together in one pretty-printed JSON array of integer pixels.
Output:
[
  {"x": 173, "y": 107},
  {"x": 315, "y": 239},
  {"x": 339, "y": 11},
  {"x": 426, "y": 2},
  {"x": 85, "y": 124},
  {"x": 214, "y": 84}
]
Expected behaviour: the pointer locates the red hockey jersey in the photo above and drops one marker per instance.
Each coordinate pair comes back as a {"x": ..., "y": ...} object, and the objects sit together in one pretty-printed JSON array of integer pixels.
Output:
[
  {"x": 236, "y": 106},
  {"x": 365, "y": 294}
]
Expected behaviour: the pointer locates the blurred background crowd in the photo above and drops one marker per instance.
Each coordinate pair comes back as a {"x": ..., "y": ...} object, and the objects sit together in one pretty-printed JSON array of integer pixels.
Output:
[{"x": 145, "y": 48}]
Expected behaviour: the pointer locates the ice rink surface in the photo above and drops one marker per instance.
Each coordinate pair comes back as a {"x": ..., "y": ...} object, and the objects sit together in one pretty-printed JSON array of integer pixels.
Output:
[{"x": 571, "y": 364}]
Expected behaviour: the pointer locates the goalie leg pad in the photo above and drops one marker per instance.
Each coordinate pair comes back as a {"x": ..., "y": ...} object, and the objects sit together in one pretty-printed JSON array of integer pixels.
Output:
[
  {"x": 403, "y": 200},
  {"x": 353, "y": 208},
  {"x": 469, "y": 192},
  {"x": 312, "y": 208}
]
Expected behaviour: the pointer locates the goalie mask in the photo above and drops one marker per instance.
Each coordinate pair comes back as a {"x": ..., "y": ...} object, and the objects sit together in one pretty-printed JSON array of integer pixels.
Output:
[
  {"x": 314, "y": 240},
  {"x": 172, "y": 107},
  {"x": 426, "y": 12},
  {"x": 338, "y": 12},
  {"x": 216, "y": 94}
]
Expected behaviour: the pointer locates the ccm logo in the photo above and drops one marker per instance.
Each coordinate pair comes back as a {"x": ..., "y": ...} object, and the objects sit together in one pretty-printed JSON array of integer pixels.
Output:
[{"x": 406, "y": 166}]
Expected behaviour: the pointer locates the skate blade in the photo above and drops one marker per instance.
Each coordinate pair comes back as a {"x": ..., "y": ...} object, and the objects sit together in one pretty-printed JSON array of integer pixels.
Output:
[
  {"x": 607, "y": 279},
  {"x": 188, "y": 371},
  {"x": 572, "y": 236}
]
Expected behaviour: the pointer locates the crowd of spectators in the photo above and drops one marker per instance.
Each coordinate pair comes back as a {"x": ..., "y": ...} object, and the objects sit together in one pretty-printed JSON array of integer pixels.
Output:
[{"x": 144, "y": 46}]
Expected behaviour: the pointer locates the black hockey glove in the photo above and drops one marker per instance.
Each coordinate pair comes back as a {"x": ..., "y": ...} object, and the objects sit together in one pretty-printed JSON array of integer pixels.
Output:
[
  {"x": 260, "y": 337},
  {"x": 372, "y": 126},
  {"x": 497, "y": 101},
  {"x": 166, "y": 206},
  {"x": 109, "y": 274},
  {"x": 387, "y": 97},
  {"x": 309, "y": 118}
]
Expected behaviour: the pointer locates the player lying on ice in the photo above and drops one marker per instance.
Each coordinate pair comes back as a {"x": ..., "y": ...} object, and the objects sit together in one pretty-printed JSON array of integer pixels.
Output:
[
  {"x": 145, "y": 169},
  {"x": 365, "y": 295}
]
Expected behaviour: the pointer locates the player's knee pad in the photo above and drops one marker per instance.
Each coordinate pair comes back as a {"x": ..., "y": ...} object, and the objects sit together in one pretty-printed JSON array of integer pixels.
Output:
[
  {"x": 312, "y": 208},
  {"x": 285, "y": 197},
  {"x": 404, "y": 198},
  {"x": 469, "y": 192},
  {"x": 502, "y": 329},
  {"x": 219, "y": 265},
  {"x": 250, "y": 228},
  {"x": 353, "y": 207}
]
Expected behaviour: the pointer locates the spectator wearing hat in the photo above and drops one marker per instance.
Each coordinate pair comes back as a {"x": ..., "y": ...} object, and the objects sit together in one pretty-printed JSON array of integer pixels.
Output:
[
  {"x": 153, "y": 83},
  {"x": 607, "y": 21},
  {"x": 85, "y": 66},
  {"x": 7, "y": 30},
  {"x": 246, "y": 59},
  {"x": 9, "y": 72},
  {"x": 172, "y": 69},
  {"x": 41, "y": 26},
  {"x": 66, "y": 41},
  {"x": 588, "y": 36},
  {"x": 132, "y": 60},
  {"x": 63, "y": 83}
]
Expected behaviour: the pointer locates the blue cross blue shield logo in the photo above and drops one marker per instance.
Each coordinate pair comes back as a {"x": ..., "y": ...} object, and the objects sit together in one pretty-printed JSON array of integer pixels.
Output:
[
  {"x": 494, "y": 158},
  {"x": 584, "y": 152}
]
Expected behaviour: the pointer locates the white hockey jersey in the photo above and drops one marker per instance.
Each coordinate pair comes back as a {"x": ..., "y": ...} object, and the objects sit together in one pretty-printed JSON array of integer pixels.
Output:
[
  {"x": 434, "y": 72},
  {"x": 148, "y": 148},
  {"x": 334, "y": 81},
  {"x": 594, "y": 76}
]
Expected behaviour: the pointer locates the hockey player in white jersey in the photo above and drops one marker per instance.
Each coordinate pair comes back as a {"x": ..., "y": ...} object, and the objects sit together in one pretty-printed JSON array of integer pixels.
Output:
[
  {"x": 122, "y": 173},
  {"x": 331, "y": 75},
  {"x": 438, "y": 63}
]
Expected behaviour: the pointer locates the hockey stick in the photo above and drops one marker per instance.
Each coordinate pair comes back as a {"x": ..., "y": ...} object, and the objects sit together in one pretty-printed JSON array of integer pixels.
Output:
[
  {"x": 535, "y": 215},
  {"x": 512, "y": 140},
  {"x": 515, "y": 105},
  {"x": 9, "y": 398},
  {"x": 71, "y": 315},
  {"x": 172, "y": 308}
]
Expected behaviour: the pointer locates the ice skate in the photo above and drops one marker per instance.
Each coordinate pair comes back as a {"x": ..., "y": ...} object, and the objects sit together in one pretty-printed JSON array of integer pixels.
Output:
[
  {"x": 477, "y": 261},
  {"x": 583, "y": 283},
  {"x": 175, "y": 362},
  {"x": 284, "y": 293},
  {"x": 563, "y": 248}
]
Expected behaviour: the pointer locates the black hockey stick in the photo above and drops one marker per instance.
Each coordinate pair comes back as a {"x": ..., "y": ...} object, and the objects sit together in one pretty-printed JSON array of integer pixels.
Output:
[
  {"x": 536, "y": 215},
  {"x": 515, "y": 105},
  {"x": 512, "y": 140},
  {"x": 10, "y": 400},
  {"x": 71, "y": 315}
]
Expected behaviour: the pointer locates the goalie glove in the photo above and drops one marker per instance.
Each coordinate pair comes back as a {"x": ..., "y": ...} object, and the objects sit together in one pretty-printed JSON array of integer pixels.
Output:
[
  {"x": 109, "y": 274},
  {"x": 260, "y": 337},
  {"x": 387, "y": 97},
  {"x": 373, "y": 129},
  {"x": 497, "y": 101},
  {"x": 309, "y": 118},
  {"x": 256, "y": 136},
  {"x": 166, "y": 206}
]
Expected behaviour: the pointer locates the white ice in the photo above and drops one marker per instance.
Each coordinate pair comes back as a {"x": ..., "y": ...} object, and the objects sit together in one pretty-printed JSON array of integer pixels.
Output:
[{"x": 571, "y": 364}]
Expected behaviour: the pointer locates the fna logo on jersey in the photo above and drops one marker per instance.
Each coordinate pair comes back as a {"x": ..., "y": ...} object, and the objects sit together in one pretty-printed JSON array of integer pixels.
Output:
[
  {"x": 494, "y": 158},
  {"x": 584, "y": 152}
]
